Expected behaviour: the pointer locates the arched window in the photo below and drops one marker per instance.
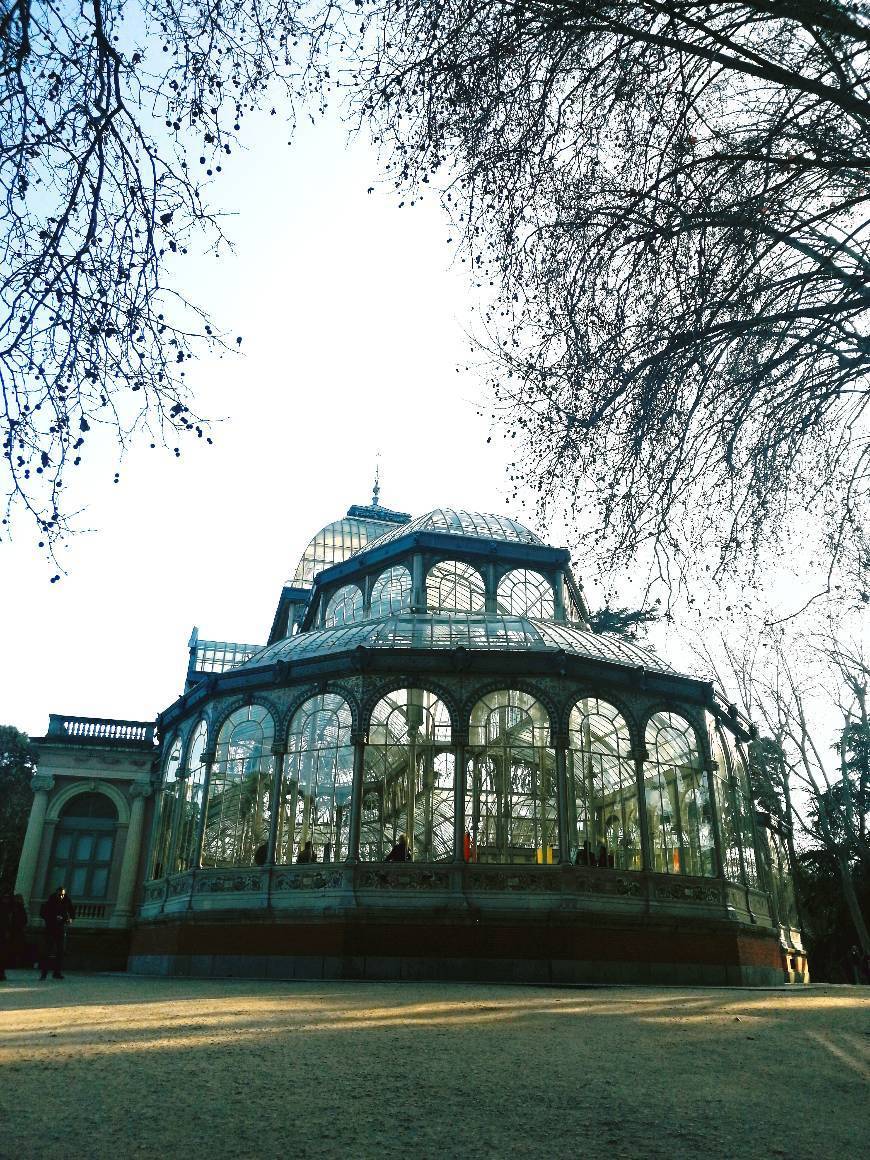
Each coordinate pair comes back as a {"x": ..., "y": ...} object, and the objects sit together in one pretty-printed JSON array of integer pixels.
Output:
[
  {"x": 602, "y": 790},
  {"x": 318, "y": 780},
  {"x": 83, "y": 845},
  {"x": 510, "y": 797},
  {"x": 191, "y": 801},
  {"x": 677, "y": 801},
  {"x": 408, "y": 779},
  {"x": 391, "y": 592},
  {"x": 237, "y": 815},
  {"x": 344, "y": 607},
  {"x": 164, "y": 813},
  {"x": 732, "y": 787},
  {"x": 525, "y": 593},
  {"x": 452, "y": 586}
]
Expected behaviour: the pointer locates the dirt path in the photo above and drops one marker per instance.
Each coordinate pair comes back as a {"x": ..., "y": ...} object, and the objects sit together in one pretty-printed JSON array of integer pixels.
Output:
[{"x": 118, "y": 1066}]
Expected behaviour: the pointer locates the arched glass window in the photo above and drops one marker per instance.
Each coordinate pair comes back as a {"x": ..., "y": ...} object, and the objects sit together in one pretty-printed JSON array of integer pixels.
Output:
[
  {"x": 452, "y": 586},
  {"x": 602, "y": 789},
  {"x": 164, "y": 813},
  {"x": 191, "y": 801},
  {"x": 391, "y": 592},
  {"x": 344, "y": 607},
  {"x": 726, "y": 807},
  {"x": 525, "y": 593},
  {"x": 84, "y": 841},
  {"x": 237, "y": 815},
  {"x": 318, "y": 780},
  {"x": 510, "y": 796},
  {"x": 736, "y": 801},
  {"x": 408, "y": 779},
  {"x": 677, "y": 801}
]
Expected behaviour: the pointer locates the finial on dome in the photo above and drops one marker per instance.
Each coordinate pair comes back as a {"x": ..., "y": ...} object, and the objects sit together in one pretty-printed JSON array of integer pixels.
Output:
[{"x": 376, "y": 490}]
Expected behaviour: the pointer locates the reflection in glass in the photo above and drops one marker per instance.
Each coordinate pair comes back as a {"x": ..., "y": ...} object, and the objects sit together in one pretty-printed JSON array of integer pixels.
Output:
[
  {"x": 602, "y": 790},
  {"x": 165, "y": 813},
  {"x": 344, "y": 607},
  {"x": 677, "y": 801},
  {"x": 237, "y": 814},
  {"x": 511, "y": 793},
  {"x": 391, "y": 592},
  {"x": 317, "y": 783},
  {"x": 525, "y": 593},
  {"x": 408, "y": 778},
  {"x": 453, "y": 586},
  {"x": 191, "y": 801}
]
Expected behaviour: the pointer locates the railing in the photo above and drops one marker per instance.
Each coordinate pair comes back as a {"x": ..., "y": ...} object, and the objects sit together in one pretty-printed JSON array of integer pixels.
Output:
[
  {"x": 101, "y": 729},
  {"x": 90, "y": 910}
]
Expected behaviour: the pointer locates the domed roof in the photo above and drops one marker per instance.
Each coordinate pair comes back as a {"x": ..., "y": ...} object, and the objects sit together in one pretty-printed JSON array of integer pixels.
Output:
[
  {"x": 343, "y": 538},
  {"x": 461, "y": 523},
  {"x": 459, "y": 630}
]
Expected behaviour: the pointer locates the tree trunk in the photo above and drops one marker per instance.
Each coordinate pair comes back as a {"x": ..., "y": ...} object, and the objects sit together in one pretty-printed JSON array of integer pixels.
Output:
[{"x": 853, "y": 905}]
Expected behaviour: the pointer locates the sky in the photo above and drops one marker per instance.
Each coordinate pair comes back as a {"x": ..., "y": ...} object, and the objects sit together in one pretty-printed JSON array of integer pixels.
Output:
[{"x": 354, "y": 316}]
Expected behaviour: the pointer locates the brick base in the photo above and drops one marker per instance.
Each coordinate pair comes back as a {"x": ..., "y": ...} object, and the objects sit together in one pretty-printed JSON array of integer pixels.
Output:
[{"x": 483, "y": 949}]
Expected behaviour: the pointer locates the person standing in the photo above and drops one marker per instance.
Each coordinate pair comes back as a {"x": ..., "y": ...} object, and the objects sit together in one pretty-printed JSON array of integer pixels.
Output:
[{"x": 56, "y": 912}]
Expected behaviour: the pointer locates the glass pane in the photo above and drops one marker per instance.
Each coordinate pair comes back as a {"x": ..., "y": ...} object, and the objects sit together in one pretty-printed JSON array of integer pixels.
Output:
[
  {"x": 238, "y": 814},
  {"x": 84, "y": 847},
  {"x": 511, "y": 810},
  {"x": 314, "y": 817},
  {"x": 77, "y": 879},
  {"x": 64, "y": 842},
  {"x": 602, "y": 791},
  {"x": 104, "y": 848},
  {"x": 408, "y": 779},
  {"x": 99, "y": 881}
]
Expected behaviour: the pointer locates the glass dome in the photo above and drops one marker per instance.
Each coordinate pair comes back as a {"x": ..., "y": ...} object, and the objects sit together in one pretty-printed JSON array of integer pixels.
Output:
[
  {"x": 462, "y": 523},
  {"x": 339, "y": 540}
]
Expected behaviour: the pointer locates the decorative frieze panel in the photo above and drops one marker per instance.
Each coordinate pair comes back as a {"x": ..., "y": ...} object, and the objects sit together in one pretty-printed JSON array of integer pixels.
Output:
[
  {"x": 233, "y": 882},
  {"x": 688, "y": 892},
  {"x": 406, "y": 878},
  {"x": 154, "y": 892},
  {"x": 307, "y": 880},
  {"x": 508, "y": 880},
  {"x": 182, "y": 884}
]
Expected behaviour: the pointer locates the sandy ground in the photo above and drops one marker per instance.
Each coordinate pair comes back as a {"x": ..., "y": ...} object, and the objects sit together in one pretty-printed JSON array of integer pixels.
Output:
[{"x": 117, "y": 1066}]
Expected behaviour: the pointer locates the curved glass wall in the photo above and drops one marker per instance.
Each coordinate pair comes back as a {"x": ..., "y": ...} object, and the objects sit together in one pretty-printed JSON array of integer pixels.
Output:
[
  {"x": 677, "y": 801},
  {"x": 779, "y": 872},
  {"x": 603, "y": 817},
  {"x": 408, "y": 781},
  {"x": 314, "y": 809},
  {"x": 525, "y": 593},
  {"x": 193, "y": 789},
  {"x": 452, "y": 586},
  {"x": 344, "y": 607},
  {"x": 238, "y": 812},
  {"x": 165, "y": 813},
  {"x": 742, "y": 808},
  {"x": 391, "y": 592},
  {"x": 726, "y": 808},
  {"x": 511, "y": 794},
  {"x": 336, "y": 542}
]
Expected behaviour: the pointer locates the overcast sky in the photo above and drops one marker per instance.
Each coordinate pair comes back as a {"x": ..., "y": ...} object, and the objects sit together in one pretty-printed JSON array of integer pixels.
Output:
[{"x": 354, "y": 315}]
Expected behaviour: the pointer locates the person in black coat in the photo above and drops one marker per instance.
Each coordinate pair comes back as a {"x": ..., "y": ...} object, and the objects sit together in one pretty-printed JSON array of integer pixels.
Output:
[
  {"x": 399, "y": 852},
  {"x": 56, "y": 912}
]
